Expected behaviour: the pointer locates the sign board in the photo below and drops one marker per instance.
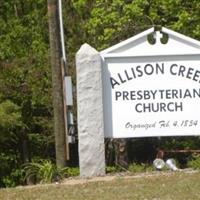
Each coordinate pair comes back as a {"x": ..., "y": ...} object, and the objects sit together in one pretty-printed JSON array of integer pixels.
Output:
[{"x": 152, "y": 89}]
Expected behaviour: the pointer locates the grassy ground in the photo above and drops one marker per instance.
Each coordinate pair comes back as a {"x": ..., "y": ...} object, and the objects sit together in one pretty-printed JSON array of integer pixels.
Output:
[{"x": 175, "y": 186}]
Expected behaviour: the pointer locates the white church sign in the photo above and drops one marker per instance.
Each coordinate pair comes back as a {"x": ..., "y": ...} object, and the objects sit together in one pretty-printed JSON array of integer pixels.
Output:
[{"x": 152, "y": 89}]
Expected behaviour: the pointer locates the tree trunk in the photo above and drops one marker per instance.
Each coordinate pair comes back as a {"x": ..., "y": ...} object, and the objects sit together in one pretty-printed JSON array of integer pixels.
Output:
[{"x": 57, "y": 84}]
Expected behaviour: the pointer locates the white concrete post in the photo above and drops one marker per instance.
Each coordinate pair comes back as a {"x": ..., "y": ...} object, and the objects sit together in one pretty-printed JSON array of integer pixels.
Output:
[{"x": 90, "y": 112}]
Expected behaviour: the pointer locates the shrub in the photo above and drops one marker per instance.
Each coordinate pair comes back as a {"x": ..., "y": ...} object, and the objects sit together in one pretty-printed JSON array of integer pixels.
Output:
[
  {"x": 194, "y": 162},
  {"x": 72, "y": 171},
  {"x": 135, "y": 168},
  {"x": 14, "y": 179},
  {"x": 44, "y": 171},
  {"x": 10, "y": 176},
  {"x": 113, "y": 169}
]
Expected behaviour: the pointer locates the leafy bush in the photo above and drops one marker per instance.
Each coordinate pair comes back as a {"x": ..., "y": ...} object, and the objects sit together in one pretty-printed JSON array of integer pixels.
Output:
[
  {"x": 44, "y": 171},
  {"x": 194, "y": 162},
  {"x": 11, "y": 174},
  {"x": 113, "y": 169},
  {"x": 135, "y": 168},
  {"x": 14, "y": 179},
  {"x": 72, "y": 171},
  {"x": 10, "y": 115}
]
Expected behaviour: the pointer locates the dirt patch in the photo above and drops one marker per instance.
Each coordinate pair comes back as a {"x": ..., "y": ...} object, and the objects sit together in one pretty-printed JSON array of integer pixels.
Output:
[
  {"x": 125, "y": 175},
  {"x": 78, "y": 180}
]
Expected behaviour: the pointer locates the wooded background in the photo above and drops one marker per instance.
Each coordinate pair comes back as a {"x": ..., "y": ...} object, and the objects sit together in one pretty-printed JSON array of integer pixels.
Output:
[{"x": 26, "y": 111}]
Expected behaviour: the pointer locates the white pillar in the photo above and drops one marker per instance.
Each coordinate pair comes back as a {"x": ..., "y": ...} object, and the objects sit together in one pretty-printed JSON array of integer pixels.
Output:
[{"x": 90, "y": 112}]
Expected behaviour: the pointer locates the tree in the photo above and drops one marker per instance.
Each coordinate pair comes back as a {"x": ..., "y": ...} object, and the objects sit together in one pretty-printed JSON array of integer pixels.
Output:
[
  {"x": 57, "y": 78},
  {"x": 25, "y": 82}
]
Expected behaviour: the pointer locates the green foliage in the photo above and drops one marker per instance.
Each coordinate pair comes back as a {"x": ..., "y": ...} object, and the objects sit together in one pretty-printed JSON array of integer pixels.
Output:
[
  {"x": 10, "y": 120},
  {"x": 133, "y": 168},
  {"x": 136, "y": 168},
  {"x": 10, "y": 115},
  {"x": 10, "y": 174},
  {"x": 45, "y": 171},
  {"x": 194, "y": 162},
  {"x": 25, "y": 85},
  {"x": 15, "y": 178},
  {"x": 113, "y": 169},
  {"x": 72, "y": 171},
  {"x": 112, "y": 21}
]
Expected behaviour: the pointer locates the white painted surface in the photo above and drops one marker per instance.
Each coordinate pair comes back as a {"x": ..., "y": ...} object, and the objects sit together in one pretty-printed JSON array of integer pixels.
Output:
[{"x": 180, "y": 74}]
